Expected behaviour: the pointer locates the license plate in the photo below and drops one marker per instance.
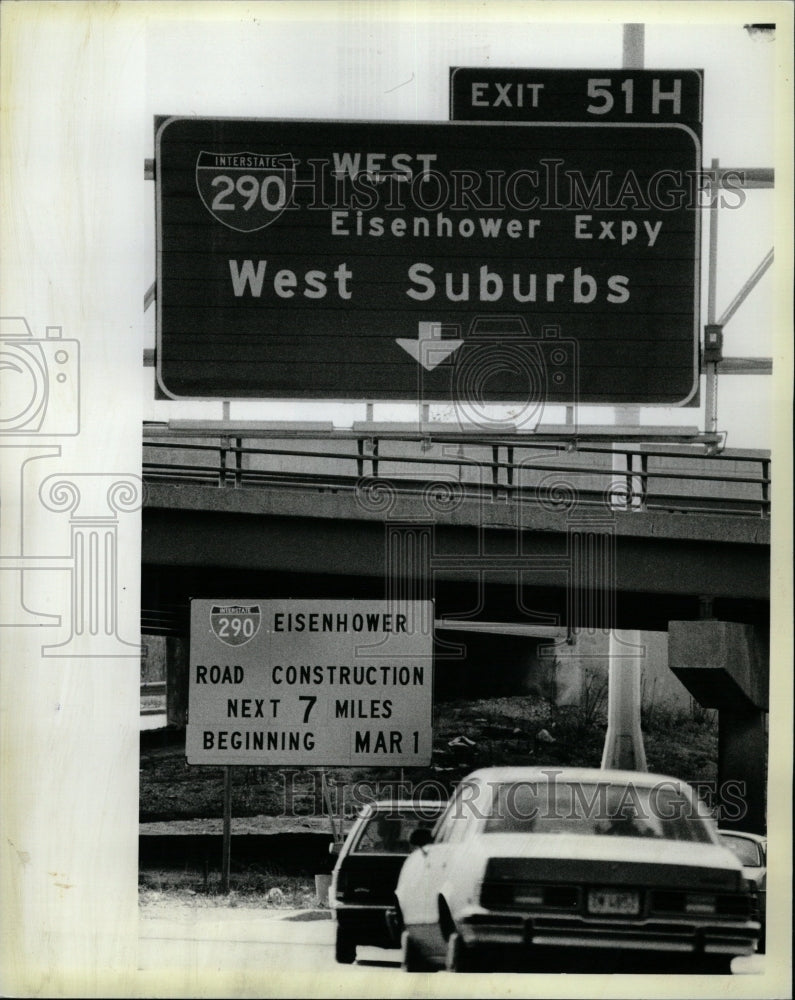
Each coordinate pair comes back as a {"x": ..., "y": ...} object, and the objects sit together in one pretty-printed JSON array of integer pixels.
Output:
[{"x": 608, "y": 901}]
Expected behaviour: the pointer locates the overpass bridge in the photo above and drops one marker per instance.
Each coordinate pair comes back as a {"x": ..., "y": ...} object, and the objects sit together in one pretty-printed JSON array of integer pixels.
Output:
[
  {"x": 676, "y": 528},
  {"x": 541, "y": 536}
]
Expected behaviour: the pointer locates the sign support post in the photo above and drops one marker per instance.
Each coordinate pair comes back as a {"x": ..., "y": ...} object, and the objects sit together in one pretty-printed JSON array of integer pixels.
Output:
[
  {"x": 623, "y": 746},
  {"x": 226, "y": 848},
  {"x": 327, "y": 801},
  {"x": 711, "y": 367}
]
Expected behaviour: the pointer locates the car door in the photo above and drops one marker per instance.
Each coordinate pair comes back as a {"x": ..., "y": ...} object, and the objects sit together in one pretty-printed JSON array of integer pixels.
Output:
[{"x": 426, "y": 870}]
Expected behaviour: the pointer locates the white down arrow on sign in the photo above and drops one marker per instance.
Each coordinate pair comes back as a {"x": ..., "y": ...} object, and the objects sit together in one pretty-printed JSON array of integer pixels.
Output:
[{"x": 430, "y": 348}]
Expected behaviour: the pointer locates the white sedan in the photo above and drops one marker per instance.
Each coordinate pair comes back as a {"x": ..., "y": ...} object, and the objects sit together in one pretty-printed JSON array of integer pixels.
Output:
[{"x": 531, "y": 862}]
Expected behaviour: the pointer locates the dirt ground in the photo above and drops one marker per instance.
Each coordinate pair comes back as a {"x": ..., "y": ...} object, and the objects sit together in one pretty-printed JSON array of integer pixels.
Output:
[{"x": 467, "y": 734}]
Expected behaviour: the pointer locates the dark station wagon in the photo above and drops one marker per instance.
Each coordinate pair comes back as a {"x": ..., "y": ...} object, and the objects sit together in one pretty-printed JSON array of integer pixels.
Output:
[
  {"x": 362, "y": 893},
  {"x": 751, "y": 851}
]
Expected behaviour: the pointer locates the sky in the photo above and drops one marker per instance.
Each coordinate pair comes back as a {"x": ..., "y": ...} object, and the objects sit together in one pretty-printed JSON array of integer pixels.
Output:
[{"x": 371, "y": 64}]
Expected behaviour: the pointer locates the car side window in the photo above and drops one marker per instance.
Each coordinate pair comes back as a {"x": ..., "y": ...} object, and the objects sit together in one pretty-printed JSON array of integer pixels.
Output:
[
  {"x": 443, "y": 830},
  {"x": 388, "y": 833},
  {"x": 453, "y": 823},
  {"x": 746, "y": 850}
]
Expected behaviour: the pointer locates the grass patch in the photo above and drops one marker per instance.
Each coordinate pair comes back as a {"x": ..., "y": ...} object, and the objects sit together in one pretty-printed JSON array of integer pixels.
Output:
[{"x": 250, "y": 887}]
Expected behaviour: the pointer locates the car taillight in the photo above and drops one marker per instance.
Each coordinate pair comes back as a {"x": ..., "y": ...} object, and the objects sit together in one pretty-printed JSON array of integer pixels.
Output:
[
  {"x": 734, "y": 904},
  {"x": 699, "y": 903},
  {"x": 528, "y": 895},
  {"x": 517, "y": 894}
]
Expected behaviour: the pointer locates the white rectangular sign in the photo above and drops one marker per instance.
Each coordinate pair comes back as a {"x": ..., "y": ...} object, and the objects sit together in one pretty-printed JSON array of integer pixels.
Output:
[{"x": 310, "y": 682}]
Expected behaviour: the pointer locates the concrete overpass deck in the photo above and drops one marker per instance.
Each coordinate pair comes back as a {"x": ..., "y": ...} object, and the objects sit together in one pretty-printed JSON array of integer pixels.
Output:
[{"x": 511, "y": 524}]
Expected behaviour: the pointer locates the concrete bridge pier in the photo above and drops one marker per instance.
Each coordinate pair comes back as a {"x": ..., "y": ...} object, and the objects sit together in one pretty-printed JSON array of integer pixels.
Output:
[
  {"x": 725, "y": 665},
  {"x": 177, "y": 681},
  {"x": 742, "y": 778}
]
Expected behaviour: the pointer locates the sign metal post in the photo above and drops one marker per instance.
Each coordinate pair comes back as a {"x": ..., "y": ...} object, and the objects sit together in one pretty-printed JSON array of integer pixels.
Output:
[{"x": 226, "y": 847}]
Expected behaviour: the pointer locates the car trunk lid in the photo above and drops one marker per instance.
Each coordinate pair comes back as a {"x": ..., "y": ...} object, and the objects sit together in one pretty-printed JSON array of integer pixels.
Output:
[{"x": 369, "y": 879}]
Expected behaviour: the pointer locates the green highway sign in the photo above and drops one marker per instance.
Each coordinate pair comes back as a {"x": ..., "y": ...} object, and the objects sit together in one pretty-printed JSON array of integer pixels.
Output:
[{"x": 468, "y": 262}]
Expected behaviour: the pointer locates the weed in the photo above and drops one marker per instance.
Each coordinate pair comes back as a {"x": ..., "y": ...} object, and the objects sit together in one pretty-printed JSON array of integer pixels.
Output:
[{"x": 594, "y": 694}]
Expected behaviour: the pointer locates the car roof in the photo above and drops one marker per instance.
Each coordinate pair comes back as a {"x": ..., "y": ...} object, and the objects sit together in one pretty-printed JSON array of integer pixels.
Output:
[
  {"x": 746, "y": 834},
  {"x": 583, "y": 774},
  {"x": 407, "y": 805}
]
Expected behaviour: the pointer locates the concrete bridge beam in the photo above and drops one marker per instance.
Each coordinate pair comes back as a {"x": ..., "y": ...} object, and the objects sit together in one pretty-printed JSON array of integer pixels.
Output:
[{"x": 725, "y": 665}]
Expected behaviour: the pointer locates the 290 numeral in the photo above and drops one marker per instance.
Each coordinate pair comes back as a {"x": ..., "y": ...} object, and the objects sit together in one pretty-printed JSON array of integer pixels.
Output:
[
  {"x": 271, "y": 191},
  {"x": 235, "y": 627}
]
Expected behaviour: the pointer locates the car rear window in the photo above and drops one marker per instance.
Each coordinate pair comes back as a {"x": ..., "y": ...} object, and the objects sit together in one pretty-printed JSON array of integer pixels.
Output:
[
  {"x": 599, "y": 809},
  {"x": 389, "y": 833},
  {"x": 746, "y": 850}
]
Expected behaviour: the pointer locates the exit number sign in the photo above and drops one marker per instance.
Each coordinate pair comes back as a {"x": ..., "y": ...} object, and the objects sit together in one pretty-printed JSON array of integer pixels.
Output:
[{"x": 576, "y": 95}]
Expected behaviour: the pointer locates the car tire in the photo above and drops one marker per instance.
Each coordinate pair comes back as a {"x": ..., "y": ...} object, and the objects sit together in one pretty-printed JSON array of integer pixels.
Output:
[
  {"x": 344, "y": 948},
  {"x": 459, "y": 957},
  {"x": 411, "y": 959}
]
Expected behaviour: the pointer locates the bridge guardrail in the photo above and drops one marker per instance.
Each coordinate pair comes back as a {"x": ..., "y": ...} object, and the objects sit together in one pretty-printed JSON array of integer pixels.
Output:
[{"x": 679, "y": 479}]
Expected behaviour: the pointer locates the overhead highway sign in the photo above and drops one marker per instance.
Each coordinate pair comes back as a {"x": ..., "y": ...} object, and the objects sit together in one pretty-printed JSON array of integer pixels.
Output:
[{"x": 498, "y": 262}]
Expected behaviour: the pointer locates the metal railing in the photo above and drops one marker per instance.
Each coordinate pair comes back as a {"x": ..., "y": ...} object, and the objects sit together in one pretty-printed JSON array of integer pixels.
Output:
[{"x": 646, "y": 477}]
